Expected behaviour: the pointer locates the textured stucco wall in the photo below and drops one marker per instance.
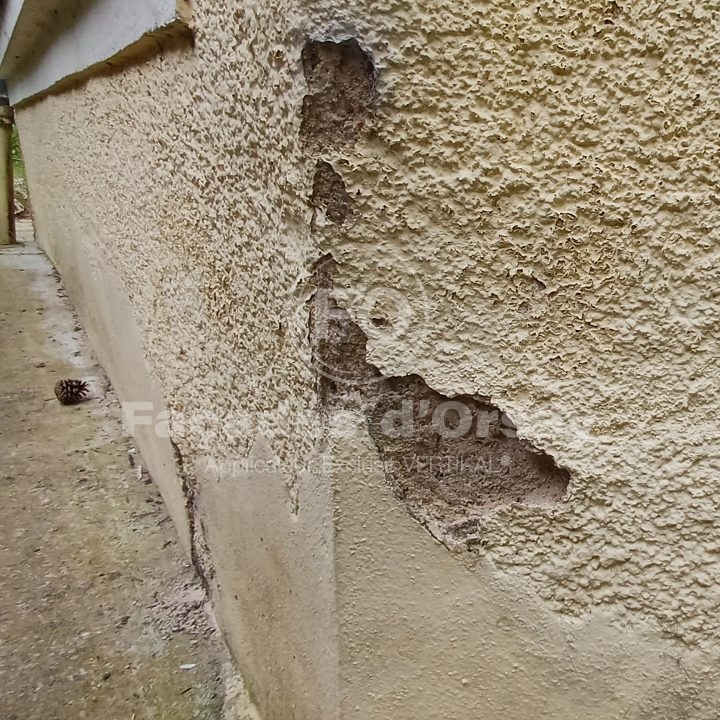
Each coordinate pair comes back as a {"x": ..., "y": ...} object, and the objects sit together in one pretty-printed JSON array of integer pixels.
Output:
[
  {"x": 539, "y": 182},
  {"x": 138, "y": 172},
  {"x": 550, "y": 172}
]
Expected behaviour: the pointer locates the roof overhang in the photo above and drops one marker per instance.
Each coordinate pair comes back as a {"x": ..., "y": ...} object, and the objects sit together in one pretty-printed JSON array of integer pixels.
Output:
[{"x": 43, "y": 42}]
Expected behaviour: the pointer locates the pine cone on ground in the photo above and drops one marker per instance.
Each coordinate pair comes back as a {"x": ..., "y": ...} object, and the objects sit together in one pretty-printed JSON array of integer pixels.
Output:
[{"x": 70, "y": 392}]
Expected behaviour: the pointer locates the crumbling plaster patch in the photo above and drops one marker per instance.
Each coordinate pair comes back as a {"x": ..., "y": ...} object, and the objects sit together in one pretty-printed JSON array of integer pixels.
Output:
[
  {"x": 550, "y": 172},
  {"x": 550, "y": 177},
  {"x": 340, "y": 75},
  {"x": 329, "y": 193},
  {"x": 450, "y": 461}
]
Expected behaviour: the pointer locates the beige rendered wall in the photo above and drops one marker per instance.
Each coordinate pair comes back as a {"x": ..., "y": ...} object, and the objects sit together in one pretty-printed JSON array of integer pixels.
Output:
[{"x": 538, "y": 181}]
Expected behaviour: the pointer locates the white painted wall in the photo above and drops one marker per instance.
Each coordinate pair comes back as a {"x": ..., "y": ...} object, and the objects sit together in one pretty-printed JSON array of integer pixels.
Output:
[{"x": 45, "y": 41}]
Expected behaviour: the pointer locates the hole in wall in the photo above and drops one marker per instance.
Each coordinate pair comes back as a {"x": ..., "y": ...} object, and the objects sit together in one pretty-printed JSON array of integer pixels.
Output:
[
  {"x": 329, "y": 193},
  {"x": 341, "y": 81},
  {"x": 450, "y": 460}
]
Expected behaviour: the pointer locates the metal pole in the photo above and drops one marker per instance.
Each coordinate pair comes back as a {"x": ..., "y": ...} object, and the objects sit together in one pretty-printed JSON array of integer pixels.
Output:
[{"x": 7, "y": 189}]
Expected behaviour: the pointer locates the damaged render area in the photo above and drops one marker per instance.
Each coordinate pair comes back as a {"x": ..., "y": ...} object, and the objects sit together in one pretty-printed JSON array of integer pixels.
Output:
[
  {"x": 329, "y": 193},
  {"x": 341, "y": 79},
  {"x": 450, "y": 460}
]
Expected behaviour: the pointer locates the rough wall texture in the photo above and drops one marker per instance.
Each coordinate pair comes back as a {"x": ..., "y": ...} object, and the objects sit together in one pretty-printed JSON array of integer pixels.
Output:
[
  {"x": 537, "y": 184},
  {"x": 176, "y": 178},
  {"x": 549, "y": 172}
]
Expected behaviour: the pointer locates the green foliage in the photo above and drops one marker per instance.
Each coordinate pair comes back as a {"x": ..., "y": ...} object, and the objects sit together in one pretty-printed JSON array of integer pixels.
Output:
[
  {"x": 18, "y": 163},
  {"x": 16, "y": 152}
]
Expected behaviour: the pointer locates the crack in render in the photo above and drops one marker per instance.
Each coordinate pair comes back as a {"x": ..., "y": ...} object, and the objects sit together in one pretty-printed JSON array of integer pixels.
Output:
[{"x": 199, "y": 553}]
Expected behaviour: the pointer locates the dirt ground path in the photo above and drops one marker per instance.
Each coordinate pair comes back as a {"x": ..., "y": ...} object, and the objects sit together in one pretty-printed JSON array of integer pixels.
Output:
[{"x": 100, "y": 614}]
